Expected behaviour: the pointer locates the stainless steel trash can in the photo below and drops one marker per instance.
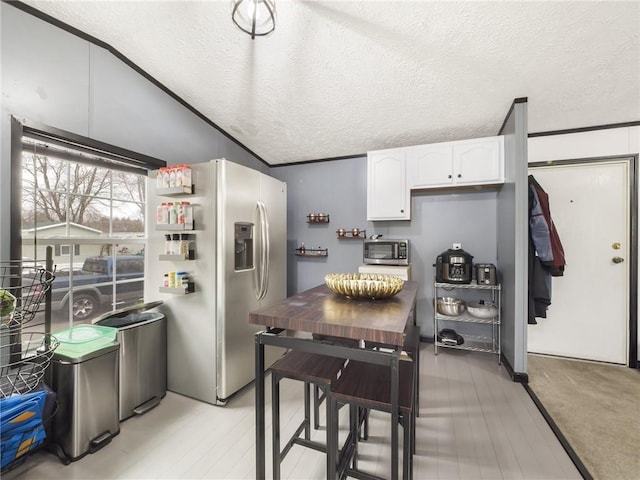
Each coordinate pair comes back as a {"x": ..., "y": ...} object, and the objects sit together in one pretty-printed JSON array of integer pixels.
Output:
[
  {"x": 143, "y": 356},
  {"x": 85, "y": 379}
]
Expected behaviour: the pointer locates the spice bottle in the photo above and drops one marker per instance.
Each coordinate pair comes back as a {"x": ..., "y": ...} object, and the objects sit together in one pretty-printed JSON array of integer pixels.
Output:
[
  {"x": 175, "y": 244},
  {"x": 167, "y": 244},
  {"x": 184, "y": 246}
]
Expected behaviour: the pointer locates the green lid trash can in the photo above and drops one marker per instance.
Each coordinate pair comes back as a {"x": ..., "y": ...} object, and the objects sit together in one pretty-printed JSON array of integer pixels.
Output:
[{"x": 85, "y": 379}]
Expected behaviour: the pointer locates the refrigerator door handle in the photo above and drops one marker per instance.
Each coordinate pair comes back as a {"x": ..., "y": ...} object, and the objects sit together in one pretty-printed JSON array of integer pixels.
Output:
[
  {"x": 267, "y": 250},
  {"x": 263, "y": 265},
  {"x": 258, "y": 271}
]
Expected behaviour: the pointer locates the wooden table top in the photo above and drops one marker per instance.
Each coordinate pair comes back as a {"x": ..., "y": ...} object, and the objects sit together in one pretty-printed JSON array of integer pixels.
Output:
[{"x": 321, "y": 311}]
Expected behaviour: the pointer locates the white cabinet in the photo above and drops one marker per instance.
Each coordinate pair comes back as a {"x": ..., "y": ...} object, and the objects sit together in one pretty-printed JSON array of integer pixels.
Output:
[
  {"x": 456, "y": 164},
  {"x": 388, "y": 195},
  {"x": 393, "y": 173},
  {"x": 430, "y": 166}
]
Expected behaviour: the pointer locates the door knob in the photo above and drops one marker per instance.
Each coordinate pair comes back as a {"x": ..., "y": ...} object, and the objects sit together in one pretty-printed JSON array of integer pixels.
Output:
[{"x": 617, "y": 259}]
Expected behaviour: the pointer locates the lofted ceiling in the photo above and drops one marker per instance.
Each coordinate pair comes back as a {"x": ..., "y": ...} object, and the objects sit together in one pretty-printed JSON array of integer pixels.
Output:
[{"x": 339, "y": 78}]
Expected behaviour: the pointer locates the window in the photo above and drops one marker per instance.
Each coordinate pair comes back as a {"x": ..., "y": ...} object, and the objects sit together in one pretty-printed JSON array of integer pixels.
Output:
[
  {"x": 88, "y": 207},
  {"x": 66, "y": 249}
]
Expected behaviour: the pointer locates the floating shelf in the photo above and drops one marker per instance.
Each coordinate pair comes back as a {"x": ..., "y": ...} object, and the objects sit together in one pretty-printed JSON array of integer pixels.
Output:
[
  {"x": 344, "y": 234},
  {"x": 179, "y": 290},
  {"x": 173, "y": 227},
  {"x": 318, "y": 218},
  {"x": 177, "y": 258},
  {"x": 175, "y": 191},
  {"x": 312, "y": 252}
]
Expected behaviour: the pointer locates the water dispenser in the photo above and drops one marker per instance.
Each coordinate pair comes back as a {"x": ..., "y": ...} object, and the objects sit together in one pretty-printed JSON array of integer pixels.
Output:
[{"x": 243, "y": 235}]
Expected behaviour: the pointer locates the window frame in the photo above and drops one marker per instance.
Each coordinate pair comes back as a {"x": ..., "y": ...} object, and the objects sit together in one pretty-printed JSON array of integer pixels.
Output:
[{"x": 125, "y": 159}]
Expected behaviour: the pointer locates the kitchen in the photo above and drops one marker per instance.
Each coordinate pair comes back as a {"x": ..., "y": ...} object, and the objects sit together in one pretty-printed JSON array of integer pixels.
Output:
[{"x": 337, "y": 188}]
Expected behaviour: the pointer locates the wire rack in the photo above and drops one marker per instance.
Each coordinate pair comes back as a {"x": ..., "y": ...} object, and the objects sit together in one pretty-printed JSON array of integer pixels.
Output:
[
  {"x": 24, "y": 356},
  {"x": 24, "y": 359},
  {"x": 22, "y": 290}
]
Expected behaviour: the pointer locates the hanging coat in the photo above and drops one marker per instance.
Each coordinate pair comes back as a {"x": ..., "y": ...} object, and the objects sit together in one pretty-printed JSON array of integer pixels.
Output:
[{"x": 557, "y": 261}]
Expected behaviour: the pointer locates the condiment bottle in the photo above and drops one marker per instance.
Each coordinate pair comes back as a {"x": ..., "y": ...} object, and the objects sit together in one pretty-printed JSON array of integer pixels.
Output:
[
  {"x": 175, "y": 244},
  {"x": 184, "y": 246}
]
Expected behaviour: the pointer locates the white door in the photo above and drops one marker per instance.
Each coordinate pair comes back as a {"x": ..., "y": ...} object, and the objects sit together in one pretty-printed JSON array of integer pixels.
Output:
[{"x": 589, "y": 313}]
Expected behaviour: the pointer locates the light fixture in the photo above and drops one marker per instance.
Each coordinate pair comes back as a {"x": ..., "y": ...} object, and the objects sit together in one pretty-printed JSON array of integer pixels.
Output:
[{"x": 255, "y": 17}]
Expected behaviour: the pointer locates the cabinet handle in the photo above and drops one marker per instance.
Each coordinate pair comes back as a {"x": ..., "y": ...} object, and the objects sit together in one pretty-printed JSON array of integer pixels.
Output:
[
  {"x": 459, "y": 175},
  {"x": 448, "y": 176},
  {"x": 401, "y": 211}
]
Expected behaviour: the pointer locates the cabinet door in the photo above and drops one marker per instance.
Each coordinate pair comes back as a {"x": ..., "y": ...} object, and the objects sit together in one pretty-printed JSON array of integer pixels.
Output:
[
  {"x": 430, "y": 166},
  {"x": 387, "y": 191},
  {"x": 479, "y": 161}
]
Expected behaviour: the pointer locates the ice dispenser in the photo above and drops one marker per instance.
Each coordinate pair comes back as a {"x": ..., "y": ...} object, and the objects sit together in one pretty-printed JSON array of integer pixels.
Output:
[{"x": 243, "y": 246}]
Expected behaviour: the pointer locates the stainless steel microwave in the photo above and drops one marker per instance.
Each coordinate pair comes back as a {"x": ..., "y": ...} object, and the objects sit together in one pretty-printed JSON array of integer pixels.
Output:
[{"x": 386, "y": 252}]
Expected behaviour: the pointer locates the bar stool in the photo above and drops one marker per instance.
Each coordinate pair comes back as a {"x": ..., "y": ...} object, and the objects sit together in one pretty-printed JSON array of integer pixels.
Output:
[
  {"x": 367, "y": 386},
  {"x": 318, "y": 394},
  {"x": 312, "y": 369},
  {"x": 411, "y": 346}
]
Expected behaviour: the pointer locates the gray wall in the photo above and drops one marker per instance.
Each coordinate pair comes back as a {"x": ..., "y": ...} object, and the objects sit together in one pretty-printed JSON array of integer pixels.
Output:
[
  {"x": 55, "y": 78},
  {"x": 338, "y": 188},
  {"x": 513, "y": 240}
]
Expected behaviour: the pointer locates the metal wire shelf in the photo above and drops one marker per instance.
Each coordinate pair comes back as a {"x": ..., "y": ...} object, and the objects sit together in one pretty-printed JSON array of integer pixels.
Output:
[
  {"x": 22, "y": 290},
  {"x": 24, "y": 358}
]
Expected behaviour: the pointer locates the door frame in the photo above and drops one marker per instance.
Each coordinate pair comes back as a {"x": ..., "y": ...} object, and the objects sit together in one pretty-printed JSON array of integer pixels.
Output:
[{"x": 632, "y": 162}]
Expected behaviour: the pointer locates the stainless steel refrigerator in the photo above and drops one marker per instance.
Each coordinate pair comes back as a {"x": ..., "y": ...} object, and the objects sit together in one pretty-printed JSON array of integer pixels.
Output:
[{"x": 238, "y": 265}]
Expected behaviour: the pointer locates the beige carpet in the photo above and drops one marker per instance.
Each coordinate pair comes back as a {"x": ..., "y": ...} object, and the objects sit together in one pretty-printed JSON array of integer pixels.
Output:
[{"x": 597, "y": 409}]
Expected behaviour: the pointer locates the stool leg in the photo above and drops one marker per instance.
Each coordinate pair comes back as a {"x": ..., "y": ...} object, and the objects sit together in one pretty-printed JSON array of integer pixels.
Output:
[
  {"x": 413, "y": 430},
  {"x": 275, "y": 427},
  {"x": 307, "y": 412},
  {"x": 365, "y": 436},
  {"x": 332, "y": 437},
  {"x": 407, "y": 448},
  {"x": 316, "y": 407},
  {"x": 417, "y": 384},
  {"x": 354, "y": 428}
]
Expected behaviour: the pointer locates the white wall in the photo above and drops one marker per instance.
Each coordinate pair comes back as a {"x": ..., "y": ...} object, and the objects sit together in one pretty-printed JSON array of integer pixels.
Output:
[{"x": 596, "y": 143}]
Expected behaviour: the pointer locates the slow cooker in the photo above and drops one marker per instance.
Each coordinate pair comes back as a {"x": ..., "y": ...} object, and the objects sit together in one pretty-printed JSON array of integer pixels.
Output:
[{"x": 454, "y": 266}]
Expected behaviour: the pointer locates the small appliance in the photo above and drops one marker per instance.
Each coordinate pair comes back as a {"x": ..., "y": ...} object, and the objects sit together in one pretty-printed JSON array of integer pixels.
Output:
[
  {"x": 486, "y": 274},
  {"x": 385, "y": 252},
  {"x": 454, "y": 266}
]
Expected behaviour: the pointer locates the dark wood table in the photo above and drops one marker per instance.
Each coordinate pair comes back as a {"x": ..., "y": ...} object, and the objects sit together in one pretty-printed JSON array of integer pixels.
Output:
[{"x": 322, "y": 312}]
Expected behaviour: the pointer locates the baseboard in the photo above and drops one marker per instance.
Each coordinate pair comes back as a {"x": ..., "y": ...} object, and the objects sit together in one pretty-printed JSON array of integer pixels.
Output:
[
  {"x": 559, "y": 435},
  {"x": 518, "y": 377}
]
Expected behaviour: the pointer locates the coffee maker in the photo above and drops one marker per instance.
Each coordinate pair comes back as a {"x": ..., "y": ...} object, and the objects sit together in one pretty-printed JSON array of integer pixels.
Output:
[{"x": 454, "y": 266}]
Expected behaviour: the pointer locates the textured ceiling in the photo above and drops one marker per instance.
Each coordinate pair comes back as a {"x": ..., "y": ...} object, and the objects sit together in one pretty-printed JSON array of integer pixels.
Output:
[{"x": 339, "y": 78}]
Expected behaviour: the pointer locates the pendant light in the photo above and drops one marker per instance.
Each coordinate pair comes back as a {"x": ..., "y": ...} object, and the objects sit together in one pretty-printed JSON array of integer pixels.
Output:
[{"x": 255, "y": 17}]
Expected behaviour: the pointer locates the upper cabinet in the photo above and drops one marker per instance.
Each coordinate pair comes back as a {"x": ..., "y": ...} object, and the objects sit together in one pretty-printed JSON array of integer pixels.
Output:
[
  {"x": 455, "y": 164},
  {"x": 393, "y": 173},
  {"x": 388, "y": 195},
  {"x": 430, "y": 166}
]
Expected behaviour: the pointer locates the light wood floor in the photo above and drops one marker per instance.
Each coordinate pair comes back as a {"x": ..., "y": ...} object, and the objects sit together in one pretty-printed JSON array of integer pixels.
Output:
[{"x": 474, "y": 424}]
